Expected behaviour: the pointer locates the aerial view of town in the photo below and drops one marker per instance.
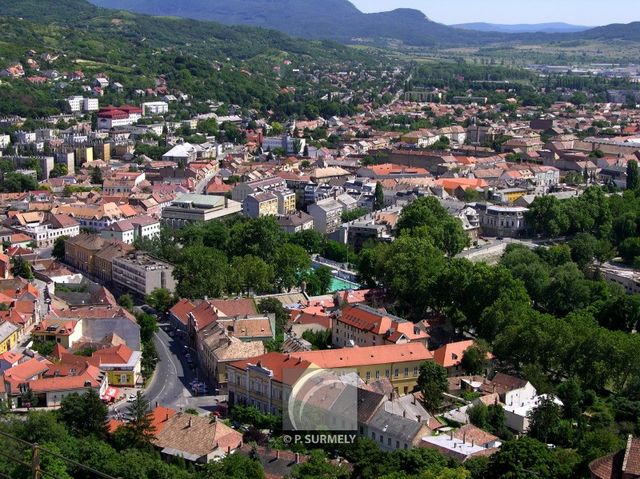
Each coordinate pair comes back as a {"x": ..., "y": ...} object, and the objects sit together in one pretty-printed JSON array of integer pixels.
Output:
[{"x": 269, "y": 239}]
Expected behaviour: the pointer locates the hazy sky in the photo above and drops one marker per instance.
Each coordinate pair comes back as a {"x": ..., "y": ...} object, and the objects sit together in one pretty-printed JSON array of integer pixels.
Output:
[{"x": 577, "y": 12}]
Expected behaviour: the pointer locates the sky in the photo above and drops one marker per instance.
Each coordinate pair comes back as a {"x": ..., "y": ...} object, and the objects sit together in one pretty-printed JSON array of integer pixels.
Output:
[{"x": 576, "y": 12}]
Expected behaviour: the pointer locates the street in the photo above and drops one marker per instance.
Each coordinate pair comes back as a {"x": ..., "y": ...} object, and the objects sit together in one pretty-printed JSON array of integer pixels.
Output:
[{"x": 170, "y": 383}]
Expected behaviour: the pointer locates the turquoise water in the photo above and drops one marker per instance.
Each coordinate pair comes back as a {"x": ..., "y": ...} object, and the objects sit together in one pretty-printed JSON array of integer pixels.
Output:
[{"x": 339, "y": 284}]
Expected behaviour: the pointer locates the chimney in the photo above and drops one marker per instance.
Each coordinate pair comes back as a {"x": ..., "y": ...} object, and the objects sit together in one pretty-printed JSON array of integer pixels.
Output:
[
  {"x": 404, "y": 413},
  {"x": 166, "y": 418},
  {"x": 190, "y": 423},
  {"x": 419, "y": 418},
  {"x": 413, "y": 399},
  {"x": 391, "y": 396},
  {"x": 156, "y": 403},
  {"x": 297, "y": 458},
  {"x": 464, "y": 438},
  {"x": 473, "y": 443},
  {"x": 277, "y": 454},
  {"x": 451, "y": 435}
]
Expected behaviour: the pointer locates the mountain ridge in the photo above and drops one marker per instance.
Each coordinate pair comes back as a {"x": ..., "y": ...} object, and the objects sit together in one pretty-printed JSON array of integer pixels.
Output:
[{"x": 341, "y": 21}]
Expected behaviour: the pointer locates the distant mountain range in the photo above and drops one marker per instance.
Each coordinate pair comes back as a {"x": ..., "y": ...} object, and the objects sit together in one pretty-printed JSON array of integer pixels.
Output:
[
  {"x": 557, "y": 27},
  {"x": 340, "y": 20}
]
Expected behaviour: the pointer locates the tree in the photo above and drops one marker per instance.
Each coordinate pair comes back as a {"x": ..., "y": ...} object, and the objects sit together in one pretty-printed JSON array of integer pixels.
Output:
[
  {"x": 21, "y": 268},
  {"x": 318, "y": 466},
  {"x": 140, "y": 427},
  {"x": 96, "y": 176},
  {"x": 58, "y": 248},
  {"x": 250, "y": 273},
  {"x": 544, "y": 420},
  {"x": 428, "y": 218},
  {"x": 275, "y": 307},
  {"x": 633, "y": 178},
  {"x": 474, "y": 359},
  {"x": 84, "y": 415},
  {"x": 58, "y": 170},
  {"x": 290, "y": 263},
  {"x": 432, "y": 383},
  {"x": 126, "y": 301},
  {"x": 148, "y": 326},
  {"x": 547, "y": 217},
  {"x": 235, "y": 466},
  {"x": 524, "y": 458},
  {"x": 200, "y": 272},
  {"x": 319, "y": 281},
  {"x": 630, "y": 250},
  {"x": 378, "y": 203},
  {"x": 160, "y": 299}
]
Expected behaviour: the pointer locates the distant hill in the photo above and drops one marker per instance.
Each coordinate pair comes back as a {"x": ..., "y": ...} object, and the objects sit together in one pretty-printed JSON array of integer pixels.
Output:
[
  {"x": 326, "y": 19},
  {"x": 523, "y": 27},
  {"x": 340, "y": 20},
  {"x": 615, "y": 31}
]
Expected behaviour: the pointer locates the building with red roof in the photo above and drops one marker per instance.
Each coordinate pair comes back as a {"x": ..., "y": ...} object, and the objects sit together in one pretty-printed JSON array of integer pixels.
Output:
[{"x": 361, "y": 325}]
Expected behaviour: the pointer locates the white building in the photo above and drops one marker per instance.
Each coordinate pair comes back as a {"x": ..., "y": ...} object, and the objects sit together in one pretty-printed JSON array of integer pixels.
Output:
[
  {"x": 154, "y": 108},
  {"x": 45, "y": 234},
  {"x": 5, "y": 140},
  {"x": 502, "y": 221},
  {"x": 90, "y": 104},
  {"x": 128, "y": 230}
]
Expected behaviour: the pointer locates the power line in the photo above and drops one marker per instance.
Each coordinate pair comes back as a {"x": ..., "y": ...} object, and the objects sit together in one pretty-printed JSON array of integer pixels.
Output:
[{"x": 35, "y": 465}]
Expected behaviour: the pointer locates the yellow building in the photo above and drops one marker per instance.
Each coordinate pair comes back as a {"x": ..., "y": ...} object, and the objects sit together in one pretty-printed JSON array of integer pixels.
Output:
[
  {"x": 122, "y": 365},
  {"x": 8, "y": 336},
  {"x": 286, "y": 202},
  {"x": 261, "y": 381},
  {"x": 260, "y": 204},
  {"x": 266, "y": 381},
  {"x": 84, "y": 154},
  {"x": 400, "y": 363}
]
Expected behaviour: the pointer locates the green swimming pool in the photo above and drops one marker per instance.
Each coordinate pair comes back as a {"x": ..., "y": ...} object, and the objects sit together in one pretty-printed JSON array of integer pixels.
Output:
[{"x": 339, "y": 284}]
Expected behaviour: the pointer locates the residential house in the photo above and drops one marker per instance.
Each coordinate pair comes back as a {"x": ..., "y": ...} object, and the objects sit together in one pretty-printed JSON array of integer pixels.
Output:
[
  {"x": 623, "y": 464},
  {"x": 450, "y": 356},
  {"x": 128, "y": 230},
  {"x": 219, "y": 347},
  {"x": 296, "y": 222},
  {"x": 257, "y": 205},
  {"x": 9, "y": 333},
  {"x": 361, "y": 325},
  {"x": 196, "y": 439}
]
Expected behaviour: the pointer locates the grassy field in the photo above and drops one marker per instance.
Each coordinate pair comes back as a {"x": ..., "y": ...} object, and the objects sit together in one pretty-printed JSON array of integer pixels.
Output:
[{"x": 581, "y": 52}]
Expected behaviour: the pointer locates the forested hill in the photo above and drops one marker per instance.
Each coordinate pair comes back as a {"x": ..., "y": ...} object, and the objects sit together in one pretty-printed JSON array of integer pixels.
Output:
[
  {"x": 340, "y": 20},
  {"x": 235, "y": 65},
  {"x": 326, "y": 19},
  {"x": 78, "y": 24}
]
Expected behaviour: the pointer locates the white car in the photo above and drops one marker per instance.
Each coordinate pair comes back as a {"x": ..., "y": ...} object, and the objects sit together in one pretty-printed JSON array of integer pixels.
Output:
[{"x": 132, "y": 397}]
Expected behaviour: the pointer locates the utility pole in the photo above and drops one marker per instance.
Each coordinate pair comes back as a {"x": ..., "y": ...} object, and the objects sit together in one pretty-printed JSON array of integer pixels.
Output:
[{"x": 35, "y": 462}]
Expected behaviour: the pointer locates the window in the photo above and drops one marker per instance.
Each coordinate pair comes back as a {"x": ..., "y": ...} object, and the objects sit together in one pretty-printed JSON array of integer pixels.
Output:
[
  {"x": 377, "y": 374},
  {"x": 368, "y": 375},
  {"x": 124, "y": 379},
  {"x": 388, "y": 441},
  {"x": 396, "y": 372},
  {"x": 415, "y": 371},
  {"x": 397, "y": 444},
  {"x": 406, "y": 372},
  {"x": 386, "y": 373},
  {"x": 373, "y": 436}
]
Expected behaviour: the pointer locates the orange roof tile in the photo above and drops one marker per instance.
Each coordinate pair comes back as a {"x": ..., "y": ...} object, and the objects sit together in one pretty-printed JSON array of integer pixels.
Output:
[{"x": 354, "y": 357}]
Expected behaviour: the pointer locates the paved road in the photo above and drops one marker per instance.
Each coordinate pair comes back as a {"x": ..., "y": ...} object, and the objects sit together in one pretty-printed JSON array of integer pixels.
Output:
[{"x": 170, "y": 384}]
